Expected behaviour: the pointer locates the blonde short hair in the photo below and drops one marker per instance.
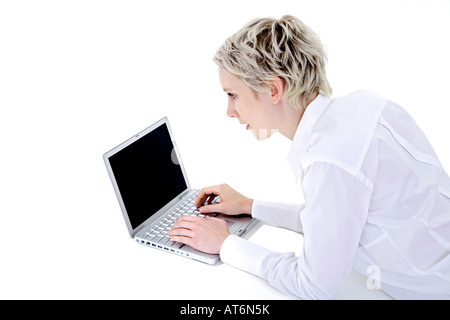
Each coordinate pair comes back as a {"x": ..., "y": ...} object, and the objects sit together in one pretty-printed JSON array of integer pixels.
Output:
[{"x": 286, "y": 48}]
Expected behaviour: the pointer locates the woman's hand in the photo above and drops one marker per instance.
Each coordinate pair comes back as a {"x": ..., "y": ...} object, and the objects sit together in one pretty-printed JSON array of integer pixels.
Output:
[
  {"x": 231, "y": 201},
  {"x": 204, "y": 234},
  {"x": 208, "y": 234}
]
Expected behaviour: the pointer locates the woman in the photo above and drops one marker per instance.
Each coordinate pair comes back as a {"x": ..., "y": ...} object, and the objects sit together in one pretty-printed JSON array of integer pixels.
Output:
[{"x": 375, "y": 192}]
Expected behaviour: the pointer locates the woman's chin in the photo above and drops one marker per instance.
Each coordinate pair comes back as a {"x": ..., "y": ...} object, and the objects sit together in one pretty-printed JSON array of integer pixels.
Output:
[{"x": 262, "y": 134}]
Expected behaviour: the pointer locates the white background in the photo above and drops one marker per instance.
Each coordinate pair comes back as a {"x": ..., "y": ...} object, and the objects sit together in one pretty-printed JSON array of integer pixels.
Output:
[{"x": 79, "y": 77}]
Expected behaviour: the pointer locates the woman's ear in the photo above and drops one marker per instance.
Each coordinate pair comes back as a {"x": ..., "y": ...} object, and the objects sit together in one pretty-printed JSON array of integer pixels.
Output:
[{"x": 276, "y": 86}]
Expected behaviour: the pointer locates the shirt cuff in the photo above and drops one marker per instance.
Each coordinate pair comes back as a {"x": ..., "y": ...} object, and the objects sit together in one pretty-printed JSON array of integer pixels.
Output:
[{"x": 243, "y": 254}]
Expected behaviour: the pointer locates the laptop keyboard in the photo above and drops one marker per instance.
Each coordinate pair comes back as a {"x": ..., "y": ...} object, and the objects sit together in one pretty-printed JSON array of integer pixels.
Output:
[{"x": 158, "y": 232}]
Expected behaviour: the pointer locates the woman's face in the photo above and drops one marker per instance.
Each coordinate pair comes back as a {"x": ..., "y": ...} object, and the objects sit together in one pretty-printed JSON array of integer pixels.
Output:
[{"x": 255, "y": 109}]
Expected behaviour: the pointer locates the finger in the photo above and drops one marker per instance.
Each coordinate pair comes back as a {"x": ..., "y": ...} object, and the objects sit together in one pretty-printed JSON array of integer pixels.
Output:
[
  {"x": 186, "y": 222},
  {"x": 202, "y": 196},
  {"x": 180, "y": 232},
  {"x": 186, "y": 218},
  {"x": 205, "y": 193},
  {"x": 218, "y": 207},
  {"x": 211, "y": 198},
  {"x": 182, "y": 239}
]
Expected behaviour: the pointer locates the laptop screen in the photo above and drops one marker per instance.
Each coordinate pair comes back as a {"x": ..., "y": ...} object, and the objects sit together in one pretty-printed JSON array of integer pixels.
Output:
[{"x": 148, "y": 174}]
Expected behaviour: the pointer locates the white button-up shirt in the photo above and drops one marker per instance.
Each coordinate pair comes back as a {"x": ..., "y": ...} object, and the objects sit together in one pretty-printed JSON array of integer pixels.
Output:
[{"x": 375, "y": 195}]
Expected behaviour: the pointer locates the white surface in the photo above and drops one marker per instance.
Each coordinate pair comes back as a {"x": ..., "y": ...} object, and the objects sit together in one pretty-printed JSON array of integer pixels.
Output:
[{"x": 79, "y": 77}]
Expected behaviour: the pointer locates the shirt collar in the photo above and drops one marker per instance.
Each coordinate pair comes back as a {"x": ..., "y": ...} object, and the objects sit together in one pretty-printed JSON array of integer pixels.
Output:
[{"x": 302, "y": 135}]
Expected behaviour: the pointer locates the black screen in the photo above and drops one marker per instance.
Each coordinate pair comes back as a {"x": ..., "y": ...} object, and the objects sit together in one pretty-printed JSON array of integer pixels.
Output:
[{"x": 148, "y": 175}]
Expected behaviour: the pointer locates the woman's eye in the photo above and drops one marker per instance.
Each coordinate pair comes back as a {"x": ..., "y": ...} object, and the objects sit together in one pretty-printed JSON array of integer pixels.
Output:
[{"x": 233, "y": 96}]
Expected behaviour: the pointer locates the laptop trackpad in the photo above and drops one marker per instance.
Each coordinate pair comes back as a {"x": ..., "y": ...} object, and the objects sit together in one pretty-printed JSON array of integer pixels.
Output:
[{"x": 233, "y": 226}]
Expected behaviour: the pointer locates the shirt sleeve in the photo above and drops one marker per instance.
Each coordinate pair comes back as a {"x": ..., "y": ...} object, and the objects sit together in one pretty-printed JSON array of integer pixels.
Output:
[
  {"x": 332, "y": 221},
  {"x": 284, "y": 215}
]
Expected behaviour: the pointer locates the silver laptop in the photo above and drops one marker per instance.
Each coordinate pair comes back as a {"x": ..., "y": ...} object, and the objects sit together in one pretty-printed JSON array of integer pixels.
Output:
[{"x": 153, "y": 190}]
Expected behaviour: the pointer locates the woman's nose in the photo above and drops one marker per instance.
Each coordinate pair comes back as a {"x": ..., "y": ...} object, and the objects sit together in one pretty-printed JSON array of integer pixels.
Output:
[{"x": 231, "y": 111}]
